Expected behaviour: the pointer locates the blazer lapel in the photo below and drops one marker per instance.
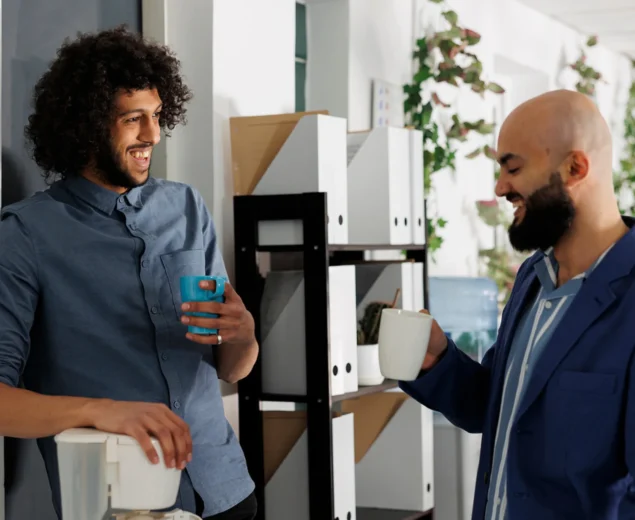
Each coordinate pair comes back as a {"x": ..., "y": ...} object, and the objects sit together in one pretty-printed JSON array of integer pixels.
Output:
[{"x": 594, "y": 298}]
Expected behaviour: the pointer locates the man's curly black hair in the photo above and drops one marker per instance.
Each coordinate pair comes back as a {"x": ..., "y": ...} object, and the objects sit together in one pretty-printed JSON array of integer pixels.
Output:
[{"x": 73, "y": 102}]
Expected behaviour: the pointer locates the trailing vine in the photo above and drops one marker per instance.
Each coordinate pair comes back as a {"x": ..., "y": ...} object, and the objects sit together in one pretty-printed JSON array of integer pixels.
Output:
[
  {"x": 624, "y": 180},
  {"x": 588, "y": 76},
  {"x": 445, "y": 57}
]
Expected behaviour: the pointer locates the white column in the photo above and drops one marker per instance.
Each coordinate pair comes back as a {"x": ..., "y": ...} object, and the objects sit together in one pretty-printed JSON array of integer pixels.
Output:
[{"x": 186, "y": 27}]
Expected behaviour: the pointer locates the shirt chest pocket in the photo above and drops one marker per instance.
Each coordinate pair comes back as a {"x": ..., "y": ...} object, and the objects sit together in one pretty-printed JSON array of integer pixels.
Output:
[{"x": 177, "y": 264}]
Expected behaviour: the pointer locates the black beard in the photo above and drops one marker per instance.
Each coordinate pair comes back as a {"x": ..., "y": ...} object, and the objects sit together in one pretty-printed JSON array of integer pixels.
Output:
[
  {"x": 110, "y": 168},
  {"x": 548, "y": 216}
]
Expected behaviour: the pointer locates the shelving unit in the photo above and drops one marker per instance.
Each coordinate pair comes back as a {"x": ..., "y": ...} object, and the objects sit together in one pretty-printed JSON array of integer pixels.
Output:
[{"x": 318, "y": 255}]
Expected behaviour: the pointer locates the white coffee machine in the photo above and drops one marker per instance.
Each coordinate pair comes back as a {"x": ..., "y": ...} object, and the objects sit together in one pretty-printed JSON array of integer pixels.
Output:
[{"x": 104, "y": 476}]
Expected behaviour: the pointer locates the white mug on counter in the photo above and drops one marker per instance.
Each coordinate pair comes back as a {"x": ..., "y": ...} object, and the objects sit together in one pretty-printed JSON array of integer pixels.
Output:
[{"x": 403, "y": 343}]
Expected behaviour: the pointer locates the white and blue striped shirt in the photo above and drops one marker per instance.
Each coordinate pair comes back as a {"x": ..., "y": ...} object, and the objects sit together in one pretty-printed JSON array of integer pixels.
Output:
[{"x": 534, "y": 329}]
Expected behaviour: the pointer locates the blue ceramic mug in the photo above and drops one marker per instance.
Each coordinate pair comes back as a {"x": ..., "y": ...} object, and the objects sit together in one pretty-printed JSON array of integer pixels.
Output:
[{"x": 191, "y": 291}]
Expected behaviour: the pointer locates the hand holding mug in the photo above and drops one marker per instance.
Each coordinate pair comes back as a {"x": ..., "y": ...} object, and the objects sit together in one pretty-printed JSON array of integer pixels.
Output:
[
  {"x": 409, "y": 341},
  {"x": 436, "y": 346},
  {"x": 221, "y": 318}
]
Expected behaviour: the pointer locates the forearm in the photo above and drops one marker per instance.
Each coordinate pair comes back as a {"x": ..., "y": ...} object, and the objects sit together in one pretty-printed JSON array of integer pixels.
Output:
[
  {"x": 234, "y": 362},
  {"x": 457, "y": 386},
  {"x": 26, "y": 414}
]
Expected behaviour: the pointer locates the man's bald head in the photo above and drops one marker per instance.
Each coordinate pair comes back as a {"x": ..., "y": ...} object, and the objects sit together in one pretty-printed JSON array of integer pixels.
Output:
[
  {"x": 555, "y": 125},
  {"x": 556, "y": 157}
]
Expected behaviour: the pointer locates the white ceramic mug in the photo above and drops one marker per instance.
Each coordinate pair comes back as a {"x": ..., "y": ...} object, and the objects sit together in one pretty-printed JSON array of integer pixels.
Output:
[
  {"x": 368, "y": 370},
  {"x": 403, "y": 343}
]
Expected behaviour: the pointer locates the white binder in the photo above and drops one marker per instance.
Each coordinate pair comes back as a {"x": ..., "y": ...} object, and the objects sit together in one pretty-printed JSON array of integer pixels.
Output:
[
  {"x": 311, "y": 158},
  {"x": 395, "y": 465},
  {"x": 283, "y": 332},
  {"x": 287, "y": 488},
  {"x": 379, "y": 177},
  {"x": 417, "y": 194}
]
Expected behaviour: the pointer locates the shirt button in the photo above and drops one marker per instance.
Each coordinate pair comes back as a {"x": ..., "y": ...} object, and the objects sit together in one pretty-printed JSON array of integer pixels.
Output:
[
  {"x": 177, "y": 404},
  {"x": 547, "y": 305},
  {"x": 132, "y": 226},
  {"x": 498, "y": 501},
  {"x": 154, "y": 309},
  {"x": 144, "y": 263},
  {"x": 164, "y": 357}
]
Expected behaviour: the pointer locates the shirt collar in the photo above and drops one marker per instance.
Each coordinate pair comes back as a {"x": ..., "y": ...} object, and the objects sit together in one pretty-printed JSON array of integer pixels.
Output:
[
  {"x": 547, "y": 271},
  {"x": 102, "y": 198}
]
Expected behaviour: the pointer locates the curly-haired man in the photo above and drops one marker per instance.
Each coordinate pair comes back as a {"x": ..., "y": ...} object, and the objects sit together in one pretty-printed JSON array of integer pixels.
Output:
[{"x": 92, "y": 328}]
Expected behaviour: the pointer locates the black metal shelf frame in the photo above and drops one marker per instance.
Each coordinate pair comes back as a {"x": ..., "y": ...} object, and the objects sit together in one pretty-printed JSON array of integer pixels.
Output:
[{"x": 311, "y": 210}]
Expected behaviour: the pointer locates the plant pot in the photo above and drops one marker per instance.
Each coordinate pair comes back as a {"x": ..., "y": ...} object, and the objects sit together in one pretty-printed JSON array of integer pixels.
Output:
[{"x": 368, "y": 370}]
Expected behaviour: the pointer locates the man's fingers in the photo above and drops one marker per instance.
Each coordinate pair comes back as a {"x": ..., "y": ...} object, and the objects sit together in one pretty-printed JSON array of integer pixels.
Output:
[
  {"x": 212, "y": 323},
  {"x": 182, "y": 439},
  {"x": 163, "y": 434},
  {"x": 230, "y": 294},
  {"x": 231, "y": 310},
  {"x": 140, "y": 434}
]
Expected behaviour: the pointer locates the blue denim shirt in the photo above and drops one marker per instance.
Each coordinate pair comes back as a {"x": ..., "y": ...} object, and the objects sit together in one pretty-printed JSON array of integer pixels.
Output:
[{"x": 90, "y": 306}]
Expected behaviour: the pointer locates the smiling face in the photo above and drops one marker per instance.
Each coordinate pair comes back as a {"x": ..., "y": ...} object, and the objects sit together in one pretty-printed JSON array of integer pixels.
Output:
[
  {"x": 534, "y": 180},
  {"x": 124, "y": 162}
]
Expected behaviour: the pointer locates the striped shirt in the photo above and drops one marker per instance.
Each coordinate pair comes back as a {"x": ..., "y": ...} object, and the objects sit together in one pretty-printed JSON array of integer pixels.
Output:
[{"x": 534, "y": 330}]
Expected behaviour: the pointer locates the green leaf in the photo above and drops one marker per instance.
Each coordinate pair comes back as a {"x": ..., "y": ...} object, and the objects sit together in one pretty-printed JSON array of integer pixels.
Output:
[
  {"x": 485, "y": 128},
  {"x": 441, "y": 222},
  {"x": 423, "y": 74},
  {"x": 428, "y": 157},
  {"x": 451, "y": 17},
  {"x": 436, "y": 1},
  {"x": 496, "y": 88},
  {"x": 447, "y": 50},
  {"x": 474, "y": 154},
  {"x": 471, "y": 77},
  {"x": 489, "y": 152},
  {"x": 479, "y": 87},
  {"x": 426, "y": 111},
  {"x": 450, "y": 34},
  {"x": 471, "y": 37},
  {"x": 474, "y": 126},
  {"x": 592, "y": 41}
]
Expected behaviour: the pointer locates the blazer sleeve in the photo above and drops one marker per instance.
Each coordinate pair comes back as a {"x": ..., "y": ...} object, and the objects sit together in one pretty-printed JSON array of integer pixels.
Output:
[{"x": 457, "y": 387}]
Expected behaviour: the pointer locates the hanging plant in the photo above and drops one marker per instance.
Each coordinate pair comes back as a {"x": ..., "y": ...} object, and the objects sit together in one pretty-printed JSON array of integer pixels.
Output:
[
  {"x": 624, "y": 180},
  {"x": 500, "y": 262},
  {"x": 588, "y": 76},
  {"x": 445, "y": 57}
]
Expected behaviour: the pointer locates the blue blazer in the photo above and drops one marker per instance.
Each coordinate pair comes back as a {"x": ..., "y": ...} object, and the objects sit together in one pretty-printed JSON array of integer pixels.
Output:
[{"x": 572, "y": 448}]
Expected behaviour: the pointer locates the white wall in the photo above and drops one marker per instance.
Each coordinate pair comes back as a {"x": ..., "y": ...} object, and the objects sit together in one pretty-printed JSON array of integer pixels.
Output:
[
  {"x": 188, "y": 32},
  {"x": 254, "y": 74},
  {"x": 350, "y": 43}
]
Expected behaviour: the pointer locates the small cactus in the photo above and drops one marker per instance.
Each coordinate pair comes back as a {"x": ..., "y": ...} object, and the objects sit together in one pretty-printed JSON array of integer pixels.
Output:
[{"x": 368, "y": 329}]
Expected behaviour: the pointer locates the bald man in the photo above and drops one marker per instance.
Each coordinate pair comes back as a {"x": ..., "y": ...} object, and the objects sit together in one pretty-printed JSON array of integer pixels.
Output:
[{"x": 555, "y": 396}]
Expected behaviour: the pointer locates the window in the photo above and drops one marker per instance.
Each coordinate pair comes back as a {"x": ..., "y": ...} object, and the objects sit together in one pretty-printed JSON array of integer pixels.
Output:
[{"x": 300, "y": 57}]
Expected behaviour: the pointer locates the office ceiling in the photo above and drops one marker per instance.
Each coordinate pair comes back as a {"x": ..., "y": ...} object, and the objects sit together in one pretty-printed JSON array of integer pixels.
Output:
[{"x": 613, "y": 21}]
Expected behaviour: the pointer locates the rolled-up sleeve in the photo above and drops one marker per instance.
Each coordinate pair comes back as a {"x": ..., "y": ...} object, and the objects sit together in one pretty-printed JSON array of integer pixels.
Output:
[{"x": 18, "y": 297}]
